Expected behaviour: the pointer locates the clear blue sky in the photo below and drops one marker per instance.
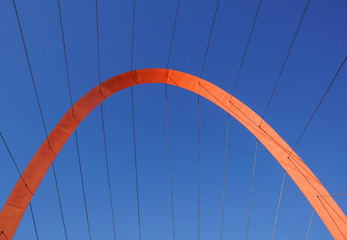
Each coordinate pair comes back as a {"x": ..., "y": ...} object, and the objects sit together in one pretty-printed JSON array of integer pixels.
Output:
[{"x": 316, "y": 55}]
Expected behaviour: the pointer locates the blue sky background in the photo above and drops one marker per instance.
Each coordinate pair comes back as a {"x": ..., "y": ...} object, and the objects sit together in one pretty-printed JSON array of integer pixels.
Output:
[{"x": 317, "y": 53}]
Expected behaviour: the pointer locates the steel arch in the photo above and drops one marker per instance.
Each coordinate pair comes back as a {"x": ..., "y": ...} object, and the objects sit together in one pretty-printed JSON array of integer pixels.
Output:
[{"x": 18, "y": 201}]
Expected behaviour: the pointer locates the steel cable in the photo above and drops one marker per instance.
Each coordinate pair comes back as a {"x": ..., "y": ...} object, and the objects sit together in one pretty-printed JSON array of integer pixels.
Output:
[
  {"x": 198, "y": 103},
  {"x": 41, "y": 115},
  {"x": 225, "y": 176},
  {"x": 103, "y": 122},
  {"x": 232, "y": 94},
  {"x": 309, "y": 226},
  {"x": 308, "y": 123},
  {"x": 73, "y": 113},
  {"x": 133, "y": 118},
  {"x": 269, "y": 101},
  {"x": 34, "y": 222},
  {"x": 173, "y": 34},
  {"x": 20, "y": 174},
  {"x": 334, "y": 195},
  {"x": 246, "y": 48},
  {"x": 251, "y": 195},
  {"x": 135, "y": 161},
  {"x": 170, "y": 164},
  {"x": 285, "y": 61},
  {"x": 320, "y": 102},
  {"x": 278, "y": 206},
  {"x": 167, "y": 122}
]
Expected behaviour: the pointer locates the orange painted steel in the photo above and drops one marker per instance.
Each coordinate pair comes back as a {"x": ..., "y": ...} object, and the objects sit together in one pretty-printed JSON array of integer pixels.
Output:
[{"x": 17, "y": 203}]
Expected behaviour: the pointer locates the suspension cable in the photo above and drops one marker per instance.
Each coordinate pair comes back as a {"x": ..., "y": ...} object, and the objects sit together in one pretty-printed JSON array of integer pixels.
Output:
[
  {"x": 30, "y": 70},
  {"x": 108, "y": 172},
  {"x": 41, "y": 115},
  {"x": 209, "y": 40},
  {"x": 173, "y": 35},
  {"x": 302, "y": 133},
  {"x": 251, "y": 195},
  {"x": 309, "y": 226},
  {"x": 198, "y": 167},
  {"x": 135, "y": 161},
  {"x": 73, "y": 113},
  {"x": 34, "y": 222},
  {"x": 170, "y": 165},
  {"x": 20, "y": 174},
  {"x": 103, "y": 122},
  {"x": 269, "y": 101},
  {"x": 225, "y": 176},
  {"x": 334, "y": 195},
  {"x": 65, "y": 56},
  {"x": 320, "y": 102},
  {"x": 14, "y": 163},
  {"x": 133, "y": 38},
  {"x": 133, "y": 118},
  {"x": 278, "y": 206},
  {"x": 232, "y": 94},
  {"x": 167, "y": 122},
  {"x": 246, "y": 48},
  {"x": 285, "y": 61},
  {"x": 201, "y": 72}
]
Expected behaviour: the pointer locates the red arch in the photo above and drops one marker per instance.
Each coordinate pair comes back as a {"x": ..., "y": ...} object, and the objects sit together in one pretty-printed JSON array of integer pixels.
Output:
[{"x": 11, "y": 214}]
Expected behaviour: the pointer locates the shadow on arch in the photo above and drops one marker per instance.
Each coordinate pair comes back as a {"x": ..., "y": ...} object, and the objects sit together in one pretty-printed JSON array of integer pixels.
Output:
[{"x": 18, "y": 201}]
